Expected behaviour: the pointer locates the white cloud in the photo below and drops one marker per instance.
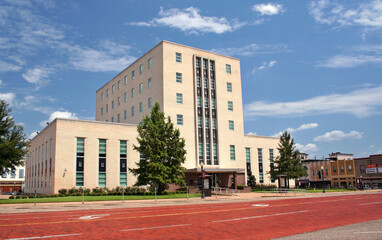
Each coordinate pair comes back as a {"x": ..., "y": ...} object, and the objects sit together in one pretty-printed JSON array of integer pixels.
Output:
[
  {"x": 253, "y": 49},
  {"x": 366, "y": 14},
  {"x": 252, "y": 133},
  {"x": 8, "y": 67},
  {"x": 264, "y": 66},
  {"x": 33, "y": 134},
  {"x": 356, "y": 56},
  {"x": 58, "y": 114},
  {"x": 379, "y": 151},
  {"x": 302, "y": 127},
  {"x": 308, "y": 148},
  {"x": 37, "y": 76},
  {"x": 268, "y": 8},
  {"x": 109, "y": 56},
  {"x": 361, "y": 103},
  {"x": 337, "y": 135},
  {"x": 189, "y": 20},
  {"x": 8, "y": 97}
]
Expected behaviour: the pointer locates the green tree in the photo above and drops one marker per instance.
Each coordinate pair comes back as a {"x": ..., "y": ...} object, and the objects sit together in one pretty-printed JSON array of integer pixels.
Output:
[
  {"x": 162, "y": 152},
  {"x": 13, "y": 142},
  {"x": 287, "y": 163},
  {"x": 251, "y": 181}
]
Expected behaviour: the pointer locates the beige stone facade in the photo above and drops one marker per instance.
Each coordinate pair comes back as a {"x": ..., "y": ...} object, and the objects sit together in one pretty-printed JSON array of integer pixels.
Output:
[{"x": 199, "y": 90}]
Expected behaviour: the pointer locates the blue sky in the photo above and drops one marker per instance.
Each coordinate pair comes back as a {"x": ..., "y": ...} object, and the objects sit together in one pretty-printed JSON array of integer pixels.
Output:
[{"x": 310, "y": 67}]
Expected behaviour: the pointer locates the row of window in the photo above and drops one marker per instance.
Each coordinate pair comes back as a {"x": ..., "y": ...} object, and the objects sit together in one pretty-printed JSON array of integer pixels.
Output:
[
  {"x": 140, "y": 105},
  {"x": 102, "y": 158},
  {"x": 13, "y": 174},
  {"x": 119, "y": 84},
  {"x": 260, "y": 160}
]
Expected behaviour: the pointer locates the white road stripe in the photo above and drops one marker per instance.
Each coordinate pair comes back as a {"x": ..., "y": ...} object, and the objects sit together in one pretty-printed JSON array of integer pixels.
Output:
[
  {"x": 41, "y": 237},
  {"x": 370, "y": 232},
  {"x": 261, "y": 216},
  {"x": 138, "y": 229},
  {"x": 369, "y": 203}
]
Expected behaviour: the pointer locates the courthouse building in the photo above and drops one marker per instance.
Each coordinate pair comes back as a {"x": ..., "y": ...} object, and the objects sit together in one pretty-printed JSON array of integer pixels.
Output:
[{"x": 199, "y": 90}]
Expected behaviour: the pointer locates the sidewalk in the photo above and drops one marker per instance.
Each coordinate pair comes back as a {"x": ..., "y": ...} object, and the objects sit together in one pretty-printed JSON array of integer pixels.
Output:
[{"x": 242, "y": 197}]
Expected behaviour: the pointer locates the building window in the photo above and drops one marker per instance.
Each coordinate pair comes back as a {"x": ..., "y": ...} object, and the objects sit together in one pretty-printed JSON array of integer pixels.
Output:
[
  {"x": 80, "y": 162},
  {"x": 112, "y": 104},
  {"x": 215, "y": 152},
  {"x": 179, "y": 119},
  {"x": 342, "y": 169},
  {"x": 125, "y": 114},
  {"x": 140, "y": 107},
  {"x": 247, "y": 154},
  {"x": 101, "y": 96},
  {"x": 230, "y": 106},
  {"x": 140, "y": 69},
  {"x": 231, "y": 125},
  {"x": 133, "y": 74},
  {"x": 125, "y": 97},
  {"x": 350, "y": 168},
  {"x": 101, "y": 111},
  {"x": 179, "y": 77},
  {"x": 199, "y": 101},
  {"x": 228, "y": 68},
  {"x": 102, "y": 163},
  {"x": 201, "y": 153},
  {"x": 213, "y": 103},
  {"x": 149, "y": 103},
  {"x": 206, "y": 102},
  {"x": 179, "y": 98},
  {"x": 119, "y": 84},
  {"x": 178, "y": 57},
  {"x": 232, "y": 152},
  {"x": 197, "y": 62},
  {"x": 214, "y": 123},
  {"x": 119, "y": 101},
  {"x": 272, "y": 164},
  {"x": 112, "y": 119},
  {"x": 212, "y": 84},
  {"x": 200, "y": 122},
  {"x": 113, "y": 89},
  {"x": 149, "y": 63},
  {"x": 261, "y": 177},
  {"x": 13, "y": 174},
  {"x": 198, "y": 84},
  {"x": 126, "y": 80},
  {"x": 119, "y": 117},
  {"x": 260, "y": 158},
  {"x": 205, "y": 82},
  {"x": 21, "y": 173},
  {"x": 207, "y": 123},
  {"x": 132, "y": 93},
  {"x": 140, "y": 87},
  {"x": 107, "y": 92},
  {"x": 107, "y": 107},
  {"x": 123, "y": 162},
  {"x": 132, "y": 111},
  {"x": 208, "y": 153},
  {"x": 362, "y": 168},
  {"x": 229, "y": 87},
  {"x": 149, "y": 82}
]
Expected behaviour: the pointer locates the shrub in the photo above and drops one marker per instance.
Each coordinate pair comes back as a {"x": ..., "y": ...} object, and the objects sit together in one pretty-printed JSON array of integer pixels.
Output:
[
  {"x": 62, "y": 191},
  {"x": 11, "y": 197}
]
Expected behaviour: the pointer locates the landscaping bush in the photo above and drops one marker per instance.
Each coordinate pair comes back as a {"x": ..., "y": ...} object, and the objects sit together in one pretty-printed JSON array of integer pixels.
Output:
[{"x": 63, "y": 191}]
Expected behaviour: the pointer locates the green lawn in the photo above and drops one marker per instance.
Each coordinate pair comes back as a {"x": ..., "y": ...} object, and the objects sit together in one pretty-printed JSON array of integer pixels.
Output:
[{"x": 95, "y": 198}]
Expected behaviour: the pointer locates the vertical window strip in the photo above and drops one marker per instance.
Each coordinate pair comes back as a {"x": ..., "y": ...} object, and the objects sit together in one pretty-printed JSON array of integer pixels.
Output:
[
  {"x": 123, "y": 162},
  {"x": 102, "y": 163},
  {"x": 80, "y": 162}
]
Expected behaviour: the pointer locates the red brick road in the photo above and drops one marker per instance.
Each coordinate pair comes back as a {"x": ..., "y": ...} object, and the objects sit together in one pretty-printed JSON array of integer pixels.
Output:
[{"x": 245, "y": 220}]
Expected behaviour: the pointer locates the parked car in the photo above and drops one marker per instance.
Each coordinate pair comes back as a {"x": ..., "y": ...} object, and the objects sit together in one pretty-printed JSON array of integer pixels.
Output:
[{"x": 9, "y": 193}]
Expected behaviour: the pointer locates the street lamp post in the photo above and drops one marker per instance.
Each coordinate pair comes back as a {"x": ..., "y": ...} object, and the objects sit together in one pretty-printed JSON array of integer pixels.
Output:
[
  {"x": 201, "y": 166},
  {"x": 323, "y": 179}
]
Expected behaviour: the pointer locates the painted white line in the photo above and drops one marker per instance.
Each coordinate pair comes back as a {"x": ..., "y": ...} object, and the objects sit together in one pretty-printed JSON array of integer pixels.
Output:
[
  {"x": 260, "y": 205},
  {"x": 138, "y": 229},
  {"x": 370, "y": 232},
  {"x": 89, "y": 217},
  {"x": 261, "y": 216},
  {"x": 41, "y": 237},
  {"x": 369, "y": 203}
]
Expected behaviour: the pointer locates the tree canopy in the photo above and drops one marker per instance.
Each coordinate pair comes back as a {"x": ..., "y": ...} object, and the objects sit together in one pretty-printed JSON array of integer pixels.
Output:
[
  {"x": 13, "y": 142},
  {"x": 162, "y": 152},
  {"x": 287, "y": 162}
]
